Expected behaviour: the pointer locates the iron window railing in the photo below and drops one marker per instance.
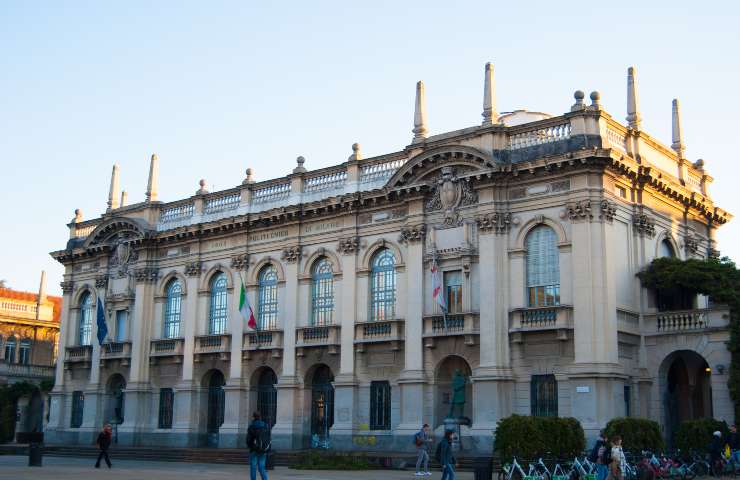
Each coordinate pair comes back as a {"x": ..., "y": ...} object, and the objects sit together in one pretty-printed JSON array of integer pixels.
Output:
[
  {"x": 380, "y": 406},
  {"x": 166, "y": 407},
  {"x": 544, "y": 400},
  {"x": 78, "y": 404}
]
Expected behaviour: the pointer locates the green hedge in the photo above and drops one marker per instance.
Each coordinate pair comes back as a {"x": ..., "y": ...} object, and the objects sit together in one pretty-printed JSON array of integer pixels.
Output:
[
  {"x": 529, "y": 438},
  {"x": 695, "y": 435},
  {"x": 314, "y": 460},
  {"x": 637, "y": 433}
]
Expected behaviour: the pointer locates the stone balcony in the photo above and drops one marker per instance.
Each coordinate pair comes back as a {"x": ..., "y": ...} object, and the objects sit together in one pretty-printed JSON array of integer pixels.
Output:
[
  {"x": 452, "y": 325},
  {"x": 166, "y": 348},
  {"x": 26, "y": 372},
  {"x": 318, "y": 336},
  {"x": 686, "y": 321},
  {"x": 558, "y": 318},
  {"x": 116, "y": 351},
  {"x": 218, "y": 345},
  {"x": 264, "y": 340},
  {"x": 78, "y": 356},
  {"x": 392, "y": 331}
]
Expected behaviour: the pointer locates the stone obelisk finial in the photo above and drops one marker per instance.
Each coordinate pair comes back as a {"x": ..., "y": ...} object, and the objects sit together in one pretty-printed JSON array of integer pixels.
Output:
[
  {"x": 677, "y": 136},
  {"x": 151, "y": 187},
  {"x": 113, "y": 193},
  {"x": 420, "y": 114},
  {"x": 490, "y": 115},
  {"x": 633, "y": 108},
  {"x": 124, "y": 198},
  {"x": 42, "y": 287}
]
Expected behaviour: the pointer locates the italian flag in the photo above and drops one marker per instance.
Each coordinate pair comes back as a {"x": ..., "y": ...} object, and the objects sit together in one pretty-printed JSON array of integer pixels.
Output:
[
  {"x": 246, "y": 309},
  {"x": 437, "y": 293}
]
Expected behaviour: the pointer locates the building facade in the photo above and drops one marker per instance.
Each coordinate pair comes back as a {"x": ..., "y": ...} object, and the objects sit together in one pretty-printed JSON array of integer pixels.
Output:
[
  {"x": 29, "y": 333},
  {"x": 536, "y": 224}
]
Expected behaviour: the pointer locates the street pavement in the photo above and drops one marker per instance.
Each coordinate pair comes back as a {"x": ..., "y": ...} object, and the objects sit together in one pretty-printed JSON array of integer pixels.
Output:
[{"x": 62, "y": 468}]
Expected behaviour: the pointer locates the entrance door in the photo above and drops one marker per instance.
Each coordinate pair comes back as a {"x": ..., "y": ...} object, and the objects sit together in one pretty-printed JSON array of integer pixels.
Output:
[
  {"x": 267, "y": 397},
  {"x": 216, "y": 406},
  {"x": 322, "y": 406}
]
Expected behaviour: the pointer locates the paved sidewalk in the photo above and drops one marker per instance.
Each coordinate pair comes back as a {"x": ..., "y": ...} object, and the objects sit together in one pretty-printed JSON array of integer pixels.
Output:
[{"x": 64, "y": 468}]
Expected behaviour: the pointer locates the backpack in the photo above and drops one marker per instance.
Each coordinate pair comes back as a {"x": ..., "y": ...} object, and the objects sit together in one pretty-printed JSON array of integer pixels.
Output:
[
  {"x": 261, "y": 442},
  {"x": 417, "y": 439}
]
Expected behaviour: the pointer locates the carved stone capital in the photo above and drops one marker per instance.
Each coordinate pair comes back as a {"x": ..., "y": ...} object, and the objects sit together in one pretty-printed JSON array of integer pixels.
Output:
[
  {"x": 292, "y": 254},
  {"x": 67, "y": 286},
  {"x": 193, "y": 269},
  {"x": 691, "y": 245},
  {"x": 713, "y": 253},
  {"x": 348, "y": 246},
  {"x": 101, "y": 281},
  {"x": 496, "y": 222},
  {"x": 240, "y": 262},
  {"x": 147, "y": 275},
  {"x": 412, "y": 234},
  {"x": 580, "y": 210},
  {"x": 608, "y": 210},
  {"x": 643, "y": 225}
]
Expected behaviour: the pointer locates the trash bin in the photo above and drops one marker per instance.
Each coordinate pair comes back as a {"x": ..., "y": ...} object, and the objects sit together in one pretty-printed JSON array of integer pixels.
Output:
[
  {"x": 482, "y": 469},
  {"x": 35, "y": 454}
]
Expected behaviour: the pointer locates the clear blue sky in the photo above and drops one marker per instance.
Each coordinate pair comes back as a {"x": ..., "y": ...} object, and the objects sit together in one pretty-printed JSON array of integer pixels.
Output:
[{"x": 215, "y": 87}]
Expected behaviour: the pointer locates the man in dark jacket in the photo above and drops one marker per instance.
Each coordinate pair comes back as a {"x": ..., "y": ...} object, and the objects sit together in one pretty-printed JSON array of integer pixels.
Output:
[
  {"x": 733, "y": 440},
  {"x": 104, "y": 440},
  {"x": 258, "y": 443},
  {"x": 715, "y": 452},
  {"x": 446, "y": 458}
]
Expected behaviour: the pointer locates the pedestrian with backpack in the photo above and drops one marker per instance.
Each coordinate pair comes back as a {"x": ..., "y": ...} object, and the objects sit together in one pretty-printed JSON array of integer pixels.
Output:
[
  {"x": 444, "y": 456},
  {"x": 422, "y": 439},
  {"x": 598, "y": 456},
  {"x": 258, "y": 443}
]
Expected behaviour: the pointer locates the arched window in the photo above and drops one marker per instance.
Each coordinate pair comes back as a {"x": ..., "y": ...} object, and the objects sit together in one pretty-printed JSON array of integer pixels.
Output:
[
  {"x": 322, "y": 293},
  {"x": 665, "y": 249},
  {"x": 543, "y": 269},
  {"x": 84, "y": 333},
  {"x": 172, "y": 309},
  {"x": 24, "y": 352},
  {"x": 10, "y": 347},
  {"x": 383, "y": 286},
  {"x": 218, "y": 311},
  {"x": 267, "y": 304}
]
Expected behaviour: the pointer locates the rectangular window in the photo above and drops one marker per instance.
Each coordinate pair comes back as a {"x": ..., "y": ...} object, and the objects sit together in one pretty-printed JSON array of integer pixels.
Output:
[
  {"x": 166, "y": 407},
  {"x": 24, "y": 353},
  {"x": 380, "y": 406},
  {"x": 121, "y": 322},
  {"x": 453, "y": 290},
  {"x": 544, "y": 396},
  {"x": 78, "y": 404},
  {"x": 621, "y": 191},
  {"x": 627, "y": 400}
]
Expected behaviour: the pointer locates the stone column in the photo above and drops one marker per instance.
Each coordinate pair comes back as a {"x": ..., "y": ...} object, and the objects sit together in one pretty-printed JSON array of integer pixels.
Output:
[
  {"x": 235, "y": 390},
  {"x": 286, "y": 432},
  {"x": 345, "y": 386},
  {"x": 412, "y": 378},
  {"x": 92, "y": 412},
  {"x": 57, "y": 414}
]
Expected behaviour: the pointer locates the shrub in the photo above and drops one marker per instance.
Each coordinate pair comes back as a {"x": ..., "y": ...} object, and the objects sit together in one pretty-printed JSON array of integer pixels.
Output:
[
  {"x": 637, "y": 433},
  {"x": 695, "y": 435},
  {"x": 533, "y": 437},
  {"x": 314, "y": 460}
]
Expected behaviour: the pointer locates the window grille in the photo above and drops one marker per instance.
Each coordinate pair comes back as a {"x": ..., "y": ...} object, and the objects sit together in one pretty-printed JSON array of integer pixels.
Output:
[
  {"x": 543, "y": 267},
  {"x": 172, "y": 310},
  {"x": 267, "y": 397},
  {"x": 218, "y": 311},
  {"x": 322, "y": 293},
  {"x": 166, "y": 407},
  {"x": 380, "y": 406},
  {"x": 267, "y": 307},
  {"x": 85, "y": 321},
  {"x": 544, "y": 400},
  {"x": 78, "y": 404},
  {"x": 383, "y": 286},
  {"x": 627, "y": 400}
]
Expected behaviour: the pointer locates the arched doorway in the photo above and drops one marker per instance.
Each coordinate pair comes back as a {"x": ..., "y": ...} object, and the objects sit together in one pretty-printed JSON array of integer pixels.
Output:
[
  {"x": 687, "y": 390},
  {"x": 322, "y": 405},
  {"x": 214, "y": 383},
  {"x": 115, "y": 399},
  {"x": 266, "y": 393},
  {"x": 450, "y": 390}
]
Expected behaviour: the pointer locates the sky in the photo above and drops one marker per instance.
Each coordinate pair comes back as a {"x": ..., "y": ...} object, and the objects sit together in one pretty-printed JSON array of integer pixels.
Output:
[{"x": 216, "y": 87}]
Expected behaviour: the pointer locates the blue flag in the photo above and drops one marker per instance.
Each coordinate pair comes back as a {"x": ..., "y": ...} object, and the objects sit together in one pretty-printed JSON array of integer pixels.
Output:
[{"x": 102, "y": 325}]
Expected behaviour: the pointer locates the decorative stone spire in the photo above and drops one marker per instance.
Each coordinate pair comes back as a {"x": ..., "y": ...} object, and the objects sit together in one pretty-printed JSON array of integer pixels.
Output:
[
  {"x": 124, "y": 198},
  {"x": 677, "y": 136},
  {"x": 420, "y": 114},
  {"x": 490, "y": 115},
  {"x": 42, "y": 287},
  {"x": 356, "y": 153},
  {"x": 633, "y": 109},
  {"x": 113, "y": 193},
  {"x": 151, "y": 187},
  {"x": 203, "y": 187},
  {"x": 299, "y": 165}
]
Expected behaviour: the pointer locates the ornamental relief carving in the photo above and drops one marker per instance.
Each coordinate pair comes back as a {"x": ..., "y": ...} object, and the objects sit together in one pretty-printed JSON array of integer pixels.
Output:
[
  {"x": 193, "y": 269},
  {"x": 691, "y": 245},
  {"x": 67, "y": 286},
  {"x": 451, "y": 193},
  {"x": 643, "y": 225},
  {"x": 413, "y": 234},
  {"x": 101, "y": 281},
  {"x": 497, "y": 222},
  {"x": 146, "y": 275},
  {"x": 349, "y": 245},
  {"x": 608, "y": 210},
  {"x": 292, "y": 254},
  {"x": 240, "y": 262},
  {"x": 580, "y": 210}
]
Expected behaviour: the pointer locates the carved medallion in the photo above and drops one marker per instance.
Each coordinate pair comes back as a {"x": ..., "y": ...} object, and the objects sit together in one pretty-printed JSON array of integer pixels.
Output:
[{"x": 451, "y": 193}]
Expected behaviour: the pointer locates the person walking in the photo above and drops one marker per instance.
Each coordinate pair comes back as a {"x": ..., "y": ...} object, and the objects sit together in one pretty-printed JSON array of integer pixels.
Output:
[
  {"x": 445, "y": 457},
  {"x": 103, "y": 442},
  {"x": 733, "y": 440},
  {"x": 598, "y": 456},
  {"x": 422, "y": 439},
  {"x": 259, "y": 444},
  {"x": 618, "y": 463}
]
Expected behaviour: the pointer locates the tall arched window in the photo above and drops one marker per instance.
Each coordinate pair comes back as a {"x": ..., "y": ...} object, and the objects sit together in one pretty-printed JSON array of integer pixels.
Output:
[
  {"x": 322, "y": 293},
  {"x": 267, "y": 304},
  {"x": 383, "y": 286},
  {"x": 84, "y": 332},
  {"x": 10, "y": 347},
  {"x": 24, "y": 352},
  {"x": 543, "y": 268},
  {"x": 218, "y": 311},
  {"x": 172, "y": 309},
  {"x": 665, "y": 249}
]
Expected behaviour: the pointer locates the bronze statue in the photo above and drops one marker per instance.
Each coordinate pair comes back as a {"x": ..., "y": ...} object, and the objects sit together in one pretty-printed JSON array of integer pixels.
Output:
[{"x": 457, "y": 401}]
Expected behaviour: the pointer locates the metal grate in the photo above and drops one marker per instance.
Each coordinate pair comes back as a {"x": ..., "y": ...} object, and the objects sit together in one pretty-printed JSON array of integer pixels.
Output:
[
  {"x": 380, "y": 405},
  {"x": 544, "y": 400},
  {"x": 166, "y": 405}
]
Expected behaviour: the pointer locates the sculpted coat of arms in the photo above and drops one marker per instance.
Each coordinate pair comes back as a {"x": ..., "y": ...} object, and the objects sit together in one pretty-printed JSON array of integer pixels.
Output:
[
  {"x": 122, "y": 256},
  {"x": 450, "y": 193}
]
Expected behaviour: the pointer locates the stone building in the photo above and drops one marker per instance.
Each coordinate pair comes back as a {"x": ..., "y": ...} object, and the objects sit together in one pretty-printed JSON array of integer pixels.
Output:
[
  {"x": 537, "y": 223},
  {"x": 29, "y": 331}
]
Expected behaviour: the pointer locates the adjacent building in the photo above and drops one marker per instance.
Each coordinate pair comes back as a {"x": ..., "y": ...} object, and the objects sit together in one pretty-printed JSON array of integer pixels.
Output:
[{"x": 534, "y": 225}]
